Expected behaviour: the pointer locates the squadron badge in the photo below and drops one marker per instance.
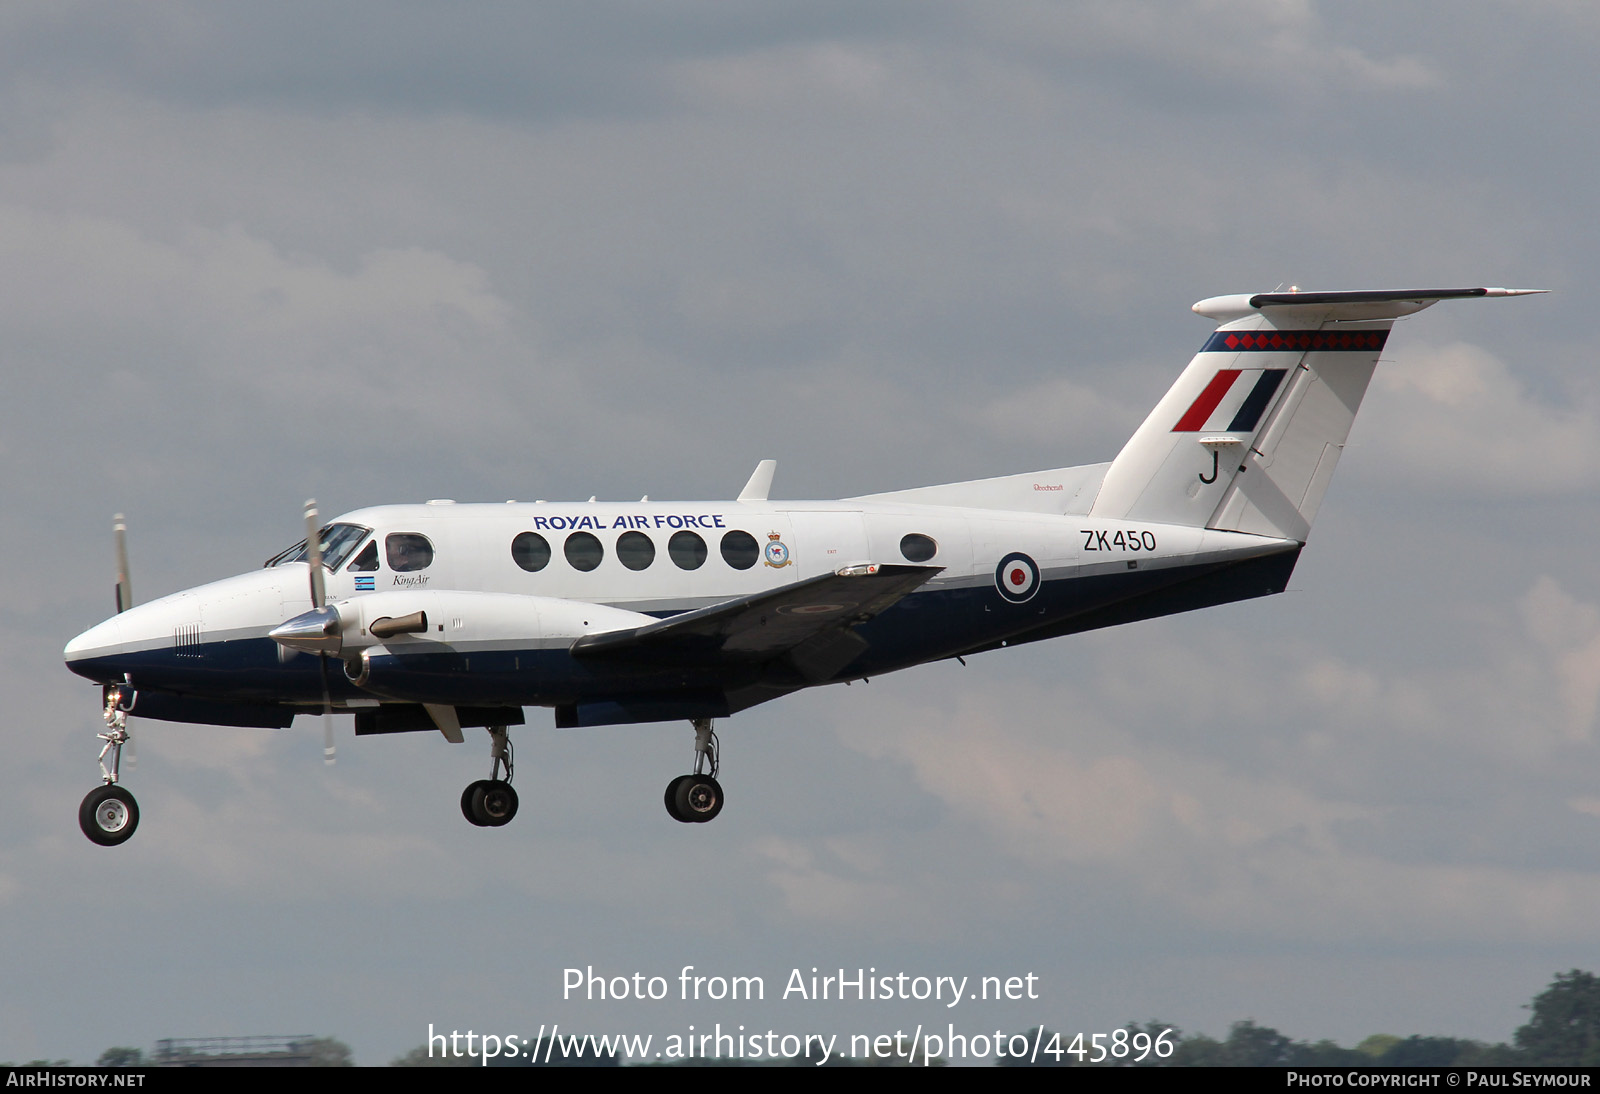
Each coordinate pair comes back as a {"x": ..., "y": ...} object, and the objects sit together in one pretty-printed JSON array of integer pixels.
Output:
[{"x": 776, "y": 554}]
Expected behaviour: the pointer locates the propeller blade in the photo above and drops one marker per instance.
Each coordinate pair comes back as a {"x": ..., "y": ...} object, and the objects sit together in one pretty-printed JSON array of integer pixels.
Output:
[
  {"x": 119, "y": 532},
  {"x": 318, "y": 600},
  {"x": 327, "y": 716},
  {"x": 314, "y": 553}
]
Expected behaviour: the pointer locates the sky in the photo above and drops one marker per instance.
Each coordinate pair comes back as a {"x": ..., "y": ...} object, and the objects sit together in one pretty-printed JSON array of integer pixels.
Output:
[{"x": 372, "y": 253}]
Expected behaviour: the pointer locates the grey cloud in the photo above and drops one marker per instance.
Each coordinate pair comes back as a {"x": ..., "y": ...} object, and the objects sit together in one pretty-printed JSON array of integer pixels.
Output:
[{"x": 380, "y": 254}]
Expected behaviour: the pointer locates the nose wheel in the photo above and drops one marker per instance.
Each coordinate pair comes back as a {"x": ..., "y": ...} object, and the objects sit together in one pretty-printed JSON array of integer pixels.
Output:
[
  {"x": 697, "y": 798},
  {"x": 490, "y": 803},
  {"x": 109, "y": 815}
]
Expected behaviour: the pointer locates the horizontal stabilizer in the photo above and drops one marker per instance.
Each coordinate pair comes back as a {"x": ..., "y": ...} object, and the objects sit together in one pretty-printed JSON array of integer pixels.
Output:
[{"x": 1342, "y": 306}]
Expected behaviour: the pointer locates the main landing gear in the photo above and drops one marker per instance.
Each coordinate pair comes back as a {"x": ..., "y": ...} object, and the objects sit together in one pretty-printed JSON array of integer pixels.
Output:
[
  {"x": 109, "y": 815},
  {"x": 697, "y": 798},
  {"x": 491, "y": 802}
]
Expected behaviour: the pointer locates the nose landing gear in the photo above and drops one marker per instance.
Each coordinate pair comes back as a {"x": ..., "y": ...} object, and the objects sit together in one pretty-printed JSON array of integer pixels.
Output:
[
  {"x": 109, "y": 814},
  {"x": 697, "y": 798}
]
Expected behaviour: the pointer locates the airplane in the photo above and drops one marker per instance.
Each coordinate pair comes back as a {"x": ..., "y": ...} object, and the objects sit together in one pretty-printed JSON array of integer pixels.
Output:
[{"x": 442, "y": 617}]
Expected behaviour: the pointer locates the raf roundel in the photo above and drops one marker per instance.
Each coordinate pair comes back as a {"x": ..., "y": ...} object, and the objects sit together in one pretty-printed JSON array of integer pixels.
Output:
[{"x": 1017, "y": 577}]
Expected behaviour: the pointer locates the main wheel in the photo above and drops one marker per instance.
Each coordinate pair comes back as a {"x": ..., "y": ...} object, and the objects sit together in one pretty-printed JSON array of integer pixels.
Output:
[
  {"x": 494, "y": 803},
  {"x": 672, "y": 799},
  {"x": 466, "y": 801},
  {"x": 108, "y": 815},
  {"x": 699, "y": 798}
]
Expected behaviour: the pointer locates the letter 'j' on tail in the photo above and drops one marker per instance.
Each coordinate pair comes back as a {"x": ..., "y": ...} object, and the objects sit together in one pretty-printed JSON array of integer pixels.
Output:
[{"x": 1248, "y": 437}]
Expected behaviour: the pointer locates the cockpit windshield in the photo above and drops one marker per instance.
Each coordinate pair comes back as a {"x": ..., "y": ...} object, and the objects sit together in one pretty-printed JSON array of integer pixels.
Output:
[{"x": 337, "y": 540}]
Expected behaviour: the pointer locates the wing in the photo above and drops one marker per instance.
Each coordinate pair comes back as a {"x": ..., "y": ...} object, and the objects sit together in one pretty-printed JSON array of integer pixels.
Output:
[{"x": 810, "y": 621}]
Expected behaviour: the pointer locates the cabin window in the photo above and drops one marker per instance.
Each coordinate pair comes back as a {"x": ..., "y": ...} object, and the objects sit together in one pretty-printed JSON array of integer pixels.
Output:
[
  {"x": 367, "y": 560},
  {"x": 531, "y": 551},
  {"x": 407, "y": 551},
  {"x": 917, "y": 547},
  {"x": 687, "y": 549},
  {"x": 635, "y": 550},
  {"x": 739, "y": 550},
  {"x": 583, "y": 551}
]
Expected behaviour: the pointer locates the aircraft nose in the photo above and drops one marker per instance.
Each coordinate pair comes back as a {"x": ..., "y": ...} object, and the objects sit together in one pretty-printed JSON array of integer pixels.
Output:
[{"x": 86, "y": 654}]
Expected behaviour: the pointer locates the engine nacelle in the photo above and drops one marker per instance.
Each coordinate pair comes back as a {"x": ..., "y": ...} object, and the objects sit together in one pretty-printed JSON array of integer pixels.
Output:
[
  {"x": 439, "y": 620},
  {"x": 458, "y": 647}
]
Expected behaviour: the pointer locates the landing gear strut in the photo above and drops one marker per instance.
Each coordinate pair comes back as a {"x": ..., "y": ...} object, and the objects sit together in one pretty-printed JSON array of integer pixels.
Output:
[
  {"x": 109, "y": 815},
  {"x": 491, "y": 802},
  {"x": 697, "y": 798}
]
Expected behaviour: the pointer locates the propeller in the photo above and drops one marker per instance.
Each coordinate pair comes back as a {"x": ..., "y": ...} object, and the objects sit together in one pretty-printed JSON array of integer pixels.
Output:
[
  {"x": 124, "y": 591},
  {"x": 119, "y": 532},
  {"x": 318, "y": 597}
]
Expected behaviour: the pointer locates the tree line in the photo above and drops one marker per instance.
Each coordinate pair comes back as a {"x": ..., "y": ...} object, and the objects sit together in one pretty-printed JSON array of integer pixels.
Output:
[{"x": 1563, "y": 1030}]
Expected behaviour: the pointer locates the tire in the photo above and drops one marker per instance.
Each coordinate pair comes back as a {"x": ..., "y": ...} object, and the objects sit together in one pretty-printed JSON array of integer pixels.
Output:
[
  {"x": 494, "y": 804},
  {"x": 699, "y": 798},
  {"x": 108, "y": 815},
  {"x": 671, "y": 799},
  {"x": 466, "y": 801}
]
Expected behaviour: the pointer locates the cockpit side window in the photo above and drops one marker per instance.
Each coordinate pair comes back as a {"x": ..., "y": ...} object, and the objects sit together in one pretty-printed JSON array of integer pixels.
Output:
[
  {"x": 367, "y": 560},
  {"x": 407, "y": 551},
  {"x": 297, "y": 553},
  {"x": 337, "y": 541}
]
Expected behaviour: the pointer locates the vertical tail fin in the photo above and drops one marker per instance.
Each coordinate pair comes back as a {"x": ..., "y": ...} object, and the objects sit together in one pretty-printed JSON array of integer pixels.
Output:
[{"x": 1248, "y": 437}]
